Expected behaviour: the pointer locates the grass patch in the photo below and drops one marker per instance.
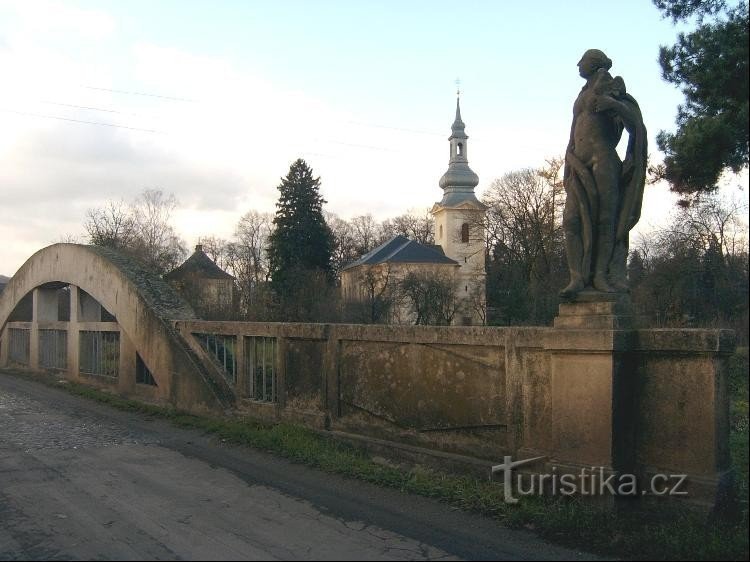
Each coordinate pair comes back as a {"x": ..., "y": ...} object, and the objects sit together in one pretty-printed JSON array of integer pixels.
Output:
[{"x": 655, "y": 532}]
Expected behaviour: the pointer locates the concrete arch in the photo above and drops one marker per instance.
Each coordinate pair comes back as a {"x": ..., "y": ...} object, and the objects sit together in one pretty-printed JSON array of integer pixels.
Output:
[{"x": 145, "y": 307}]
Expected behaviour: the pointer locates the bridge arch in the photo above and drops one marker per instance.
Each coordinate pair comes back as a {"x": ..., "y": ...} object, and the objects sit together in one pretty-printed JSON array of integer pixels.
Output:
[{"x": 140, "y": 309}]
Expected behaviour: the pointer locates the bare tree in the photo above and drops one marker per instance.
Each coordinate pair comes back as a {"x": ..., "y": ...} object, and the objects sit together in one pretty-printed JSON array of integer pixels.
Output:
[
  {"x": 431, "y": 296},
  {"x": 694, "y": 271},
  {"x": 157, "y": 242},
  {"x": 366, "y": 233},
  {"x": 376, "y": 296},
  {"x": 112, "y": 226},
  {"x": 216, "y": 249},
  {"x": 141, "y": 230},
  {"x": 523, "y": 229},
  {"x": 247, "y": 260},
  {"x": 415, "y": 225},
  {"x": 345, "y": 248}
]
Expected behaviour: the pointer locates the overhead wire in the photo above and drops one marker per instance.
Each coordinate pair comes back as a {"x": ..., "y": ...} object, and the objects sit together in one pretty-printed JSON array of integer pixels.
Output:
[
  {"x": 188, "y": 100},
  {"x": 30, "y": 114}
]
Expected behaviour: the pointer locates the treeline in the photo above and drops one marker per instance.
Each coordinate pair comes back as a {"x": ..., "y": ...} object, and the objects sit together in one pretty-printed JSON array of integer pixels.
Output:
[
  {"x": 286, "y": 265},
  {"x": 692, "y": 272}
]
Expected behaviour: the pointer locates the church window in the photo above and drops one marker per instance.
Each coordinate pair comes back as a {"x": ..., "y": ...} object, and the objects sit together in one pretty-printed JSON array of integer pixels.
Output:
[
  {"x": 465, "y": 233},
  {"x": 460, "y": 148}
]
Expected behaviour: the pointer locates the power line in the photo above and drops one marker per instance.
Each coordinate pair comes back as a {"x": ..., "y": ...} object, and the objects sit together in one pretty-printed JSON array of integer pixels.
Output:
[
  {"x": 141, "y": 94},
  {"x": 89, "y": 108},
  {"x": 431, "y": 133},
  {"x": 81, "y": 121}
]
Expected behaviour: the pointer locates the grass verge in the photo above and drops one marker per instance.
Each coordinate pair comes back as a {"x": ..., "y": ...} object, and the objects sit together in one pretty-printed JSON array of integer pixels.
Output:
[{"x": 659, "y": 532}]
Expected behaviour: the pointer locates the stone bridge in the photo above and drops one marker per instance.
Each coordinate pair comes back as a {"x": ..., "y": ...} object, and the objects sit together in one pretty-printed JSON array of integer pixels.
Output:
[{"x": 590, "y": 391}]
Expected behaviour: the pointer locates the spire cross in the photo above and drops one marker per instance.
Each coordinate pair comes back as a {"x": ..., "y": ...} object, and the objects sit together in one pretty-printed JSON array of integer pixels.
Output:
[{"x": 458, "y": 86}]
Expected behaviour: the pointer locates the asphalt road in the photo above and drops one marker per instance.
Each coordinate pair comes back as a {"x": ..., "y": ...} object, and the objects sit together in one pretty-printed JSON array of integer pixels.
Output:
[{"x": 79, "y": 480}]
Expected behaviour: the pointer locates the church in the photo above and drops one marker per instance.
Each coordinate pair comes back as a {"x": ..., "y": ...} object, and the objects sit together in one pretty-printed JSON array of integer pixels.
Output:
[{"x": 457, "y": 259}]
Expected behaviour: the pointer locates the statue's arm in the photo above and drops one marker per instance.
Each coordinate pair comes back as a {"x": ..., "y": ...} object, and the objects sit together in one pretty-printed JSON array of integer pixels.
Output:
[{"x": 629, "y": 115}]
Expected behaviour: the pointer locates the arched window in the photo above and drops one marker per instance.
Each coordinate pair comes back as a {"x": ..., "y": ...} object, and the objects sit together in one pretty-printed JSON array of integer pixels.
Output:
[
  {"x": 465, "y": 233},
  {"x": 440, "y": 236},
  {"x": 460, "y": 149}
]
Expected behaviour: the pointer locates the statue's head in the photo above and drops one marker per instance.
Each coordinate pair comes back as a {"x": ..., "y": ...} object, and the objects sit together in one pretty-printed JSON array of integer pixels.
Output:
[{"x": 591, "y": 61}]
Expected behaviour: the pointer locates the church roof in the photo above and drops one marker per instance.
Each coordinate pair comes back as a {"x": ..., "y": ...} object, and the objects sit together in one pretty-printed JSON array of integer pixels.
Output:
[
  {"x": 198, "y": 265},
  {"x": 400, "y": 249}
]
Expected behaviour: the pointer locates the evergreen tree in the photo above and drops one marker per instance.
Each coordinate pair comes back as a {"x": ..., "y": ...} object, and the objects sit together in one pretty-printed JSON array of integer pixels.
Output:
[
  {"x": 710, "y": 65},
  {"x": 300, "y": 245}
]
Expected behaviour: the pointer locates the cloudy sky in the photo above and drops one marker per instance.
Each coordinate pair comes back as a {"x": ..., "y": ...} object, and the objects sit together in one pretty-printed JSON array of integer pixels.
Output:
[{"x": 212, "y": 101}]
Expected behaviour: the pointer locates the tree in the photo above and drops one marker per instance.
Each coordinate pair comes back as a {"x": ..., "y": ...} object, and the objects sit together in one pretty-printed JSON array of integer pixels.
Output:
[
  {"x": 694, "y": 271},
  {"x": 710, "y": 65},
  {"x": 216, "y": 249},
  {"x": 431, "y": 296},
  {"x": 300, "y": 246},
  {"x": 523, "y": 226},
  {"x": 111, "y": 226},
  {"x": 141, "y": 230},
  {"x": 345, "y": 248},
  {"x": 376, "y": 295},
  {"x": 157, "y": 244},
  {"x": 247, "y": 259},
  {"x": 414, "y": 225}
]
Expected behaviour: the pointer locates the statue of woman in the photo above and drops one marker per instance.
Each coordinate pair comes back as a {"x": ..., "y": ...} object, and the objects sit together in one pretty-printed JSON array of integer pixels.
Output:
[{"x": 604, "y": 194}]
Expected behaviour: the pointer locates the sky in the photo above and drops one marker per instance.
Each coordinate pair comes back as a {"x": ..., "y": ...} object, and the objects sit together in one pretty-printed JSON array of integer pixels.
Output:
[{"x": 212, "y": 101}]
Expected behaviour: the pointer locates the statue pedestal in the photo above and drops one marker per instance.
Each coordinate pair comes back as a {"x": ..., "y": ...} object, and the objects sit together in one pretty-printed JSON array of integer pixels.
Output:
[
  {"x": 596, "y": 311},
  {"x": 592, "y": 381}
]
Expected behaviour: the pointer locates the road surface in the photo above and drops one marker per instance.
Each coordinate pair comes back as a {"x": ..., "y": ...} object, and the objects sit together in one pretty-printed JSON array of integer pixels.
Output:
[{"x": 80, "y": 480}]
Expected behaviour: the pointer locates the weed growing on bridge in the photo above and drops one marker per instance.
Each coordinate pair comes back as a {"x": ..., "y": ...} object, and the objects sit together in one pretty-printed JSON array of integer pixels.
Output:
[{"x": 663, "y": 532}]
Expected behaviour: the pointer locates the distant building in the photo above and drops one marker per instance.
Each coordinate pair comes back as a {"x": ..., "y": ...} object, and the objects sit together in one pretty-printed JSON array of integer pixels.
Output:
[
  {"x": 459, "y": 253},
  {"x": 207, "y": 287},
  {"x": 3, "y": 282},
  {"x": 372, "y": 281}
]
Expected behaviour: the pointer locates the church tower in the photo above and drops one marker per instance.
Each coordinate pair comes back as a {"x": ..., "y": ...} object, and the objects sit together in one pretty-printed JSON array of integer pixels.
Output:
[{"x": 459, "y": 219}]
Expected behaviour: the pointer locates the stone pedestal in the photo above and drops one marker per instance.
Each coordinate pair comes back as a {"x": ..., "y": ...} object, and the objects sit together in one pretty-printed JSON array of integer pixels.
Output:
[
  {"x": 596, "y": 311},
  {"x": 591, "y": 376}
]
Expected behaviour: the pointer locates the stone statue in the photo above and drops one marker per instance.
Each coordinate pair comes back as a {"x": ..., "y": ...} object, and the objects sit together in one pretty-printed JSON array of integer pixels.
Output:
[{"x": 603, "y": 193}]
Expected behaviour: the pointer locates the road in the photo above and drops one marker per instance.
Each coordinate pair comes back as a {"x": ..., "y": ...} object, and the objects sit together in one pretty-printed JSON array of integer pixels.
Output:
[{"x": 79, "y": 480}]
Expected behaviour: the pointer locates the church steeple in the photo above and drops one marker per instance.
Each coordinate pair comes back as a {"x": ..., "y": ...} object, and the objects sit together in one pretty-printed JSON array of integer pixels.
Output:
[
  {"x": 458, "y": 126},
  {"x": 459, "y": 181},
  {"x": 458, "y": 225}
]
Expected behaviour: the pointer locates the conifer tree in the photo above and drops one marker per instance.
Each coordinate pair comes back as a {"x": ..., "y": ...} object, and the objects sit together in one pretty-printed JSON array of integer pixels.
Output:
[
  {"x": 301, "y": 244},
  {"x": 710, "y": 65}
]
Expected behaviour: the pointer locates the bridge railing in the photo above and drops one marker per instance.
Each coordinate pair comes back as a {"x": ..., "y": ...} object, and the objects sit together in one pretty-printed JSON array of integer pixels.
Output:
[{"x": 247, "y": 358}]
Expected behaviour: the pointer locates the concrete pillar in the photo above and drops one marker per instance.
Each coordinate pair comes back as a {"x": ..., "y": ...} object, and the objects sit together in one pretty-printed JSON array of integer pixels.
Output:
[
  {"x": 4, "y": 348},
  {"x": 37, "y": 304},
  {"x": 240, "y": 367},
  {"x": 73, "y": 346},
  {"x": 330, "y": 386},
  {"x": 592, "y": 384},
  {"x": 281, "y": 353},
  {"x": 126, "y": 375}
]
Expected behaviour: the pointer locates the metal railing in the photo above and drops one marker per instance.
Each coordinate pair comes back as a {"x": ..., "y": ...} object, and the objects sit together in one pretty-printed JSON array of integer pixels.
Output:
[
  {"x": 99, "y": 353},
  {"x": 19, "y": 344},
  {"x": 221, "y": 348},
  {"x": 260, "y": 368},
  {"x": 53, "y": 349}
]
